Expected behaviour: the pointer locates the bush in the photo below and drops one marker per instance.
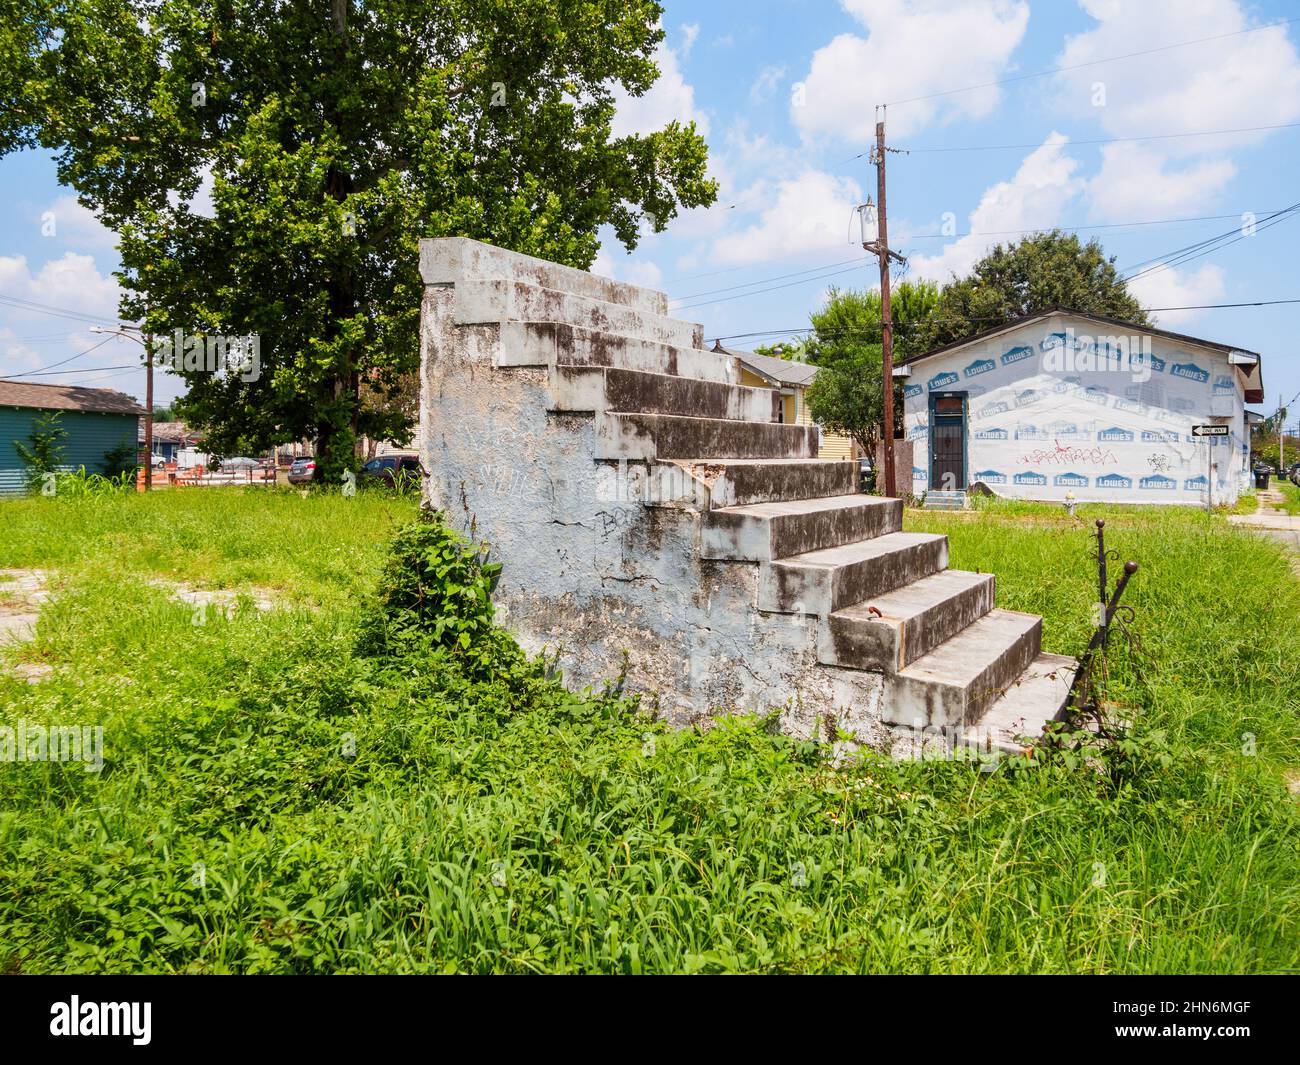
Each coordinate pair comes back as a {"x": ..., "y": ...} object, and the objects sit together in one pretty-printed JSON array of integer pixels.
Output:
[{"x": 436, "y": 593}]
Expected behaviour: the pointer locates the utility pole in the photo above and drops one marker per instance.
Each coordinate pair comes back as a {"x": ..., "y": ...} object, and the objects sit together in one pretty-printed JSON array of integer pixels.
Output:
[
  {"x": 148, "y": 416},
  {"x": 1281, "y": 438},
  {"x": 880, "y": 246},
  {"x": 146, "y": 340}
]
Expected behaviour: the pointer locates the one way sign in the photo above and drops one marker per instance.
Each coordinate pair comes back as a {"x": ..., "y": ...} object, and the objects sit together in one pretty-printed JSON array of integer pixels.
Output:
[{"x": 1209, "y": 430}]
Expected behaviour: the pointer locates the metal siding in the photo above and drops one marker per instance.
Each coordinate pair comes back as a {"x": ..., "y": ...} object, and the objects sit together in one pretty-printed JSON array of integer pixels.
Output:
[{"x": 90, "y": 437}]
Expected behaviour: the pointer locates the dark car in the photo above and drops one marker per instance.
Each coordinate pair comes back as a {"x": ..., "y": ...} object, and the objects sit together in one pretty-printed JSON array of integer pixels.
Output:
[
  {"x": 302, "y": 470},
  {"x": 391, "y": 468}
]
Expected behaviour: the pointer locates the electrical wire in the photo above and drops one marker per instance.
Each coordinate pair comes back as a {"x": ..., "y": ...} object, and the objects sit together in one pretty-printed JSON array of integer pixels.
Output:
[{"x": 1089, "y": 63}]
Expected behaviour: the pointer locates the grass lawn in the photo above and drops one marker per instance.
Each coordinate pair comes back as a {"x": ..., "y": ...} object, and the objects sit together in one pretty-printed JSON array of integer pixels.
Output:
[
  {"x": 1290, "y": 493},
  {"x": 275, "y": 799}
]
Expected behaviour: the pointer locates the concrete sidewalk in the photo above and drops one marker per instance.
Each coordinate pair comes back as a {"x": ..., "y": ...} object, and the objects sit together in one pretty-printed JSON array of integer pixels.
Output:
[{"x": 1271, "y": 520}]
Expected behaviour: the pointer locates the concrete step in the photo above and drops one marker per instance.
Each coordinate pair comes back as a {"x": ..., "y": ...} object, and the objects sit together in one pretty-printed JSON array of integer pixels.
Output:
[
  {"x": 490, "y": 301},
  {"x": 957, "y": 681},
  {"x": 889, "y": 631},
  {"x": 739, "y": 482},
  {"x": 945, "y": 501},
  {"x": 447, "y": 260},
  {"x": 1036, "y": 697},
  {"x": 575, "y": 388},
  {"x": 554, "y": 343},
  {"x": 659, "y": 437},
  {"x": 821, "y": 582},
  {"x": 760, "y": 532}
]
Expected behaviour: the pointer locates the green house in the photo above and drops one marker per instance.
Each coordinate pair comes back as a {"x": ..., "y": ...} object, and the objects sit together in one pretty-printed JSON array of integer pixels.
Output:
[{"x": 96, "y": 420}]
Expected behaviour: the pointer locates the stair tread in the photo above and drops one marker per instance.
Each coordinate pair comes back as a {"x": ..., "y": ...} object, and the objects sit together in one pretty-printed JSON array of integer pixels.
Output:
[
  {"x": 915, "y": 598},
  {"x": 861, "y": 551},
  {"x": 959, "y": 661},
  {"x": 786, "y": 508},
  {"x": 625, "y": 390},
  {"x": 1037, "y": 697},
  {"x": 760, "y": 462},
  {"x": 637, "y": 435}
]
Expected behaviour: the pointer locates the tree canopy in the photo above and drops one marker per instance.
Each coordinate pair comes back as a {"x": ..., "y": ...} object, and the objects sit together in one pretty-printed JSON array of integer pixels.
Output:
[
  {"x": 846, "y": 343},
  {"x": 332, "y": 138},
  {"x": 1041, "y": 271}
]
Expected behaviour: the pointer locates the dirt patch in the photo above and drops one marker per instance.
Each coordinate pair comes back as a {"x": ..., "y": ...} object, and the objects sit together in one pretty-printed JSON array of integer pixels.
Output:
[
  {"x": 22, "y": 593},
  {"x": 224, "y": 599}
]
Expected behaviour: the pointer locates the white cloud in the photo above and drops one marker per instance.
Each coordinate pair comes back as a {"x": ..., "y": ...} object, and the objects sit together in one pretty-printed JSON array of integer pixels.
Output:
[
  {"x": 615, "y": 264},
  {"x": 806, "y": 213},
  {"x": 74, "y": 224},
  {"x": 1251, "y": 79},
  {"x": 669, "y": 98},
  {"x": 1231, "y": 82},
  {"x": 1034, "y": 198},
  {"x": 1170, "y": 288},
  {"x": 1131, "y": 188},
  {"x": 31, "y": 339},
  {"x": 912, "y": 48},
  {"x": 690, "y": 33},
  {"x": 765, "y": 84}
]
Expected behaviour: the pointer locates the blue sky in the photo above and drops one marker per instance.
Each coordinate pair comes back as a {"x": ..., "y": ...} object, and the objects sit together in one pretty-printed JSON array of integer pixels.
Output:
[{"x": 786, "y": 91}]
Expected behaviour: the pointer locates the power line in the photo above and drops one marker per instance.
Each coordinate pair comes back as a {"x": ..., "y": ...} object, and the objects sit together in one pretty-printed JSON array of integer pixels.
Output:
[
  {"x": 945, "y": 236},
  {"x": 1079, "y": 229},
  {"x": 82, "y": 369},
  {"x": 1089, "y": 63},
  {"x": 1100, "y": 140},
  {"x": 900, "y": 325},
  {"x": 771, "y": 288},
  {"x": 61, "y": 362},
  {"x": 764, "y": 280},
  {"x": 1211, "y": 244},
  {"x": 46, "y": 308}
]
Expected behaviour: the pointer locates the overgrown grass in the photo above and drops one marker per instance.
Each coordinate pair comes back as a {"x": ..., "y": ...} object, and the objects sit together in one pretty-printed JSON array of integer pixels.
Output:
[
  {"x": 275, "y": 800},
  {"x": 308, "y": 547},
  {"x": 1290, "y": 494}
]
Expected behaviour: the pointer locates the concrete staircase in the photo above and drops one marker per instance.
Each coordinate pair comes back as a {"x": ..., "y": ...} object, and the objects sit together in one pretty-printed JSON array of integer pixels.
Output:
[
  {"x": 939, "y": 500},
  {"x": 733, "y": 542}
]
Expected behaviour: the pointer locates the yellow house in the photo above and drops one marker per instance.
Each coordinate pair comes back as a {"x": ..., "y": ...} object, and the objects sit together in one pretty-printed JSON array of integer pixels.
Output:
[{"x": 793, "y": 379}]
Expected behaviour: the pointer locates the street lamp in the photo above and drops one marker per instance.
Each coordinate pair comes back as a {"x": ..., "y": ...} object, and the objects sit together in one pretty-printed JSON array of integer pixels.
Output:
[{"x": 146, "y": 342}]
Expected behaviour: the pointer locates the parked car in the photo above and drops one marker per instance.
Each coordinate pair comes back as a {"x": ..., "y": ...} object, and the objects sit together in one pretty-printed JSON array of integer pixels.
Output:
[
  {"x": 302, "y": 470},
  {"x": 388, "y": 468}
]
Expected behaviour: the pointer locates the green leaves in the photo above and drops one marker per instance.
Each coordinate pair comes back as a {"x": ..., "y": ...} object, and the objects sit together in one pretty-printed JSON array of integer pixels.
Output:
[
  {"x": 436, "y": 592},
  {"x": 1041, "y": 271},
  {"x": 330, "y": 152},
  {"x": 847, "y": 396}
]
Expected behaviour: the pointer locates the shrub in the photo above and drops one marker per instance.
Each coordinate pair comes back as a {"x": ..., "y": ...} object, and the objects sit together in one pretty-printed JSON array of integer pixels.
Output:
[{"x": 436, "y": 593}]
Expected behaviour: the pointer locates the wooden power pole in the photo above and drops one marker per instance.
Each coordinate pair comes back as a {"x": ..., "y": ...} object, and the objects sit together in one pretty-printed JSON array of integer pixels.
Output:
[
  {"x": 148, "y": 417},
  {"x": 881, "y": 247}
]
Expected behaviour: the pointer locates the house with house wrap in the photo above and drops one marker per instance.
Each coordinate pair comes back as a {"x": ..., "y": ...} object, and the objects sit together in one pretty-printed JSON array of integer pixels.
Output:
[{"x": 1065, "y": 403}]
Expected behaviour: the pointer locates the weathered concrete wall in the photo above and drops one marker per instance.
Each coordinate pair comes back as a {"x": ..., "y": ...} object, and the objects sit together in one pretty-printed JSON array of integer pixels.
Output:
[{"x": 589, "y": 570}]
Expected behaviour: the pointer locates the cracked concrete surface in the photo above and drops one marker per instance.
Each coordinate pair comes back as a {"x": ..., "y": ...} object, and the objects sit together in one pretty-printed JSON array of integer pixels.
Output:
[
  {"x": 612, "y": 586},
  {"x": 22, "y": 593}
]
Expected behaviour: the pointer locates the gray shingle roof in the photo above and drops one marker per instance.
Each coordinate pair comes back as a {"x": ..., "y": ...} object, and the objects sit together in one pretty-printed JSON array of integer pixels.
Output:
[
  {"x": 773, "y": 369},
  {"x": 66, "y": 397}
]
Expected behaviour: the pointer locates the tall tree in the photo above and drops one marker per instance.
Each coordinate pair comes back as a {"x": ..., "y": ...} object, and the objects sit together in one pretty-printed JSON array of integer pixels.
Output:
[
  {"x": 1040, "y": 272},
  {"x": 332, "y": 137},
  {"x": 846, "y": 396}
]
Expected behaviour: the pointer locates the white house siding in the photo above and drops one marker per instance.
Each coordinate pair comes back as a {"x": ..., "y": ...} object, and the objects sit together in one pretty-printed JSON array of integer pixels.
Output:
[{"x": 1037, "y": 432}]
